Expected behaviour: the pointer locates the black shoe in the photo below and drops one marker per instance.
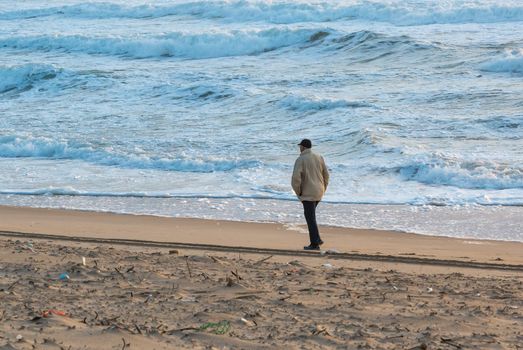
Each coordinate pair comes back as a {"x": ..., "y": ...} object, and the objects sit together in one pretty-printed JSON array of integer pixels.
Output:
[
  {"x": 312, "y": 247},
  {"x": 320, "y": 242}
]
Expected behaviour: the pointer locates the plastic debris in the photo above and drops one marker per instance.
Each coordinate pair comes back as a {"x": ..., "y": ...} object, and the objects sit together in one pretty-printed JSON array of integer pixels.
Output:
[
  {"x": 294, "y": 227},
  {"x": 29, "y": 246},
  {"x": 148, "y": 298},
  {"x": 248, "y": 322},
  {"x": 330, "y": 251},
  {"x": 63, "y": 277},
  {"x": 19, "y": 337},
  {"x": 47, "y": 313},
  {"x": 328, "y": 266},
  {"x": 83, "y": 261},
  {"x": 188, "y": 299},
  {"x": 320, "y": 329}
]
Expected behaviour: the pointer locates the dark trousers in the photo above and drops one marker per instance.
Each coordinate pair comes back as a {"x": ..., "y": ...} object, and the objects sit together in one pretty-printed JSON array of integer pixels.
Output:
[{"x": 309, "y": 208}]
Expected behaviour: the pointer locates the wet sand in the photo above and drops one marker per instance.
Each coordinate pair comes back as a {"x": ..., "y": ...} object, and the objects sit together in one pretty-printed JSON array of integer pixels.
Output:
[{"x": 254, "y": 235}]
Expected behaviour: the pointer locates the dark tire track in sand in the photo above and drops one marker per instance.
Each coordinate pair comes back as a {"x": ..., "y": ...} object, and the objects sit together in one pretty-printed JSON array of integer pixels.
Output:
[{"x": 285, "y": 252}]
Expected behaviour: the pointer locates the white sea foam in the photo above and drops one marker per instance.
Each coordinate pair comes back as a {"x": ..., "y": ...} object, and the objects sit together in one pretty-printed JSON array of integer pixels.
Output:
[
  {"x": 413, "y": 12},
  {"x": 74, "y": 192},
  {"x": 71, "y": 191}
]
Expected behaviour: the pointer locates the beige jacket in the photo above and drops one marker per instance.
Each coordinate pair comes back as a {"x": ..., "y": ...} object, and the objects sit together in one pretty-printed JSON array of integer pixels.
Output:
[{"x": 310, "y": 177}]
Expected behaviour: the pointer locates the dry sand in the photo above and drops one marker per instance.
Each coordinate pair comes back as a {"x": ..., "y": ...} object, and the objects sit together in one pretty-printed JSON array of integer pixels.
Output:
[{"x": 163, "y": 297}]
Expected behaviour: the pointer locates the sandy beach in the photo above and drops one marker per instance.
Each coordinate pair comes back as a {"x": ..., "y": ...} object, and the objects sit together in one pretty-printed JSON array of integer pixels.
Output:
[{"x": 84, "y": 280}]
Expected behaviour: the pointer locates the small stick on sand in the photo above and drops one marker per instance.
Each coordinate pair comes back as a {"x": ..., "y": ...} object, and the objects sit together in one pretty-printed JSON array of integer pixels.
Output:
[
  {"x": 263, "y": 260},
  {"x": 215, "y": 259},
  {"x": 451, "y": 343},
  {"x": 12, "y": 285},
  {"x": 188, "y": 267},
  {"x": 238, "y": 277},
  {"x": 121, "y": 274}
]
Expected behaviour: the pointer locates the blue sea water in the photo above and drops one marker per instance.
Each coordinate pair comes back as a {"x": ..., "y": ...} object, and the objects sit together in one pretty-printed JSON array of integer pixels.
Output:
[{"x": 194, "y": 108}]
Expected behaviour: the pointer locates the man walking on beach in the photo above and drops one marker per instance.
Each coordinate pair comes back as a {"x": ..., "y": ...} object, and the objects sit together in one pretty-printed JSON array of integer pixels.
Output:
[{"x": 310, "y": 179}]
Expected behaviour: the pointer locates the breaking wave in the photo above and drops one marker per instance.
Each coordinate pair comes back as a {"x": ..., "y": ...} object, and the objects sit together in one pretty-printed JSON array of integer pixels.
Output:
[
  {"x": 222, "y": 44},
  {"x": 512, "y": 62},
  {"x": 476, "y": 174},
  {"x": 183, "y": 45},
  {"x": 15, "y": 147}
]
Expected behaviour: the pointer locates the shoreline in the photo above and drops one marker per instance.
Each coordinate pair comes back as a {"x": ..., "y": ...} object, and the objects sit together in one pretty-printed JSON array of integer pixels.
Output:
[
  {"x": 103, "y": 225},
  {"x": 469, "y": 222}
]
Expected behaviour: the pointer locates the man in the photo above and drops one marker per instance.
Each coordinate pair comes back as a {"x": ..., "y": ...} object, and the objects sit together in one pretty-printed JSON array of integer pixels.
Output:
[{"x": 310, "y": 179}]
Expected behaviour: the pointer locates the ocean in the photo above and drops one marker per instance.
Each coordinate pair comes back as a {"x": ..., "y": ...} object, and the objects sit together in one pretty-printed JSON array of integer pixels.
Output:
[{"x": 195, "y": 108}]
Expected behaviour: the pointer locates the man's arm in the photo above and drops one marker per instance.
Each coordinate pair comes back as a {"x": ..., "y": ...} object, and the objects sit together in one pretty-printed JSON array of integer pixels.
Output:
[
  {"x": 296, "y": 177},
  {"x": 325, "y": 172}
]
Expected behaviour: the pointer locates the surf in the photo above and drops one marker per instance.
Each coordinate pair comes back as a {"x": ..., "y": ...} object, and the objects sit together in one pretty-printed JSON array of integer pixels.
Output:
[{"x": 404, "y": 13}]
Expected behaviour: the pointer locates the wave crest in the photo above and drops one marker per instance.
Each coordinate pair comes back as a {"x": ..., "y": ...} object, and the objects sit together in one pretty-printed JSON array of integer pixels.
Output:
[{"x": 304, "y": 104}]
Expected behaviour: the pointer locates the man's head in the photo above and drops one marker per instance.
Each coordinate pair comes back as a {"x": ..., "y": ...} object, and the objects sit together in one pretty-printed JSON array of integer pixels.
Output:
[{"x": 305, "y": 144}]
